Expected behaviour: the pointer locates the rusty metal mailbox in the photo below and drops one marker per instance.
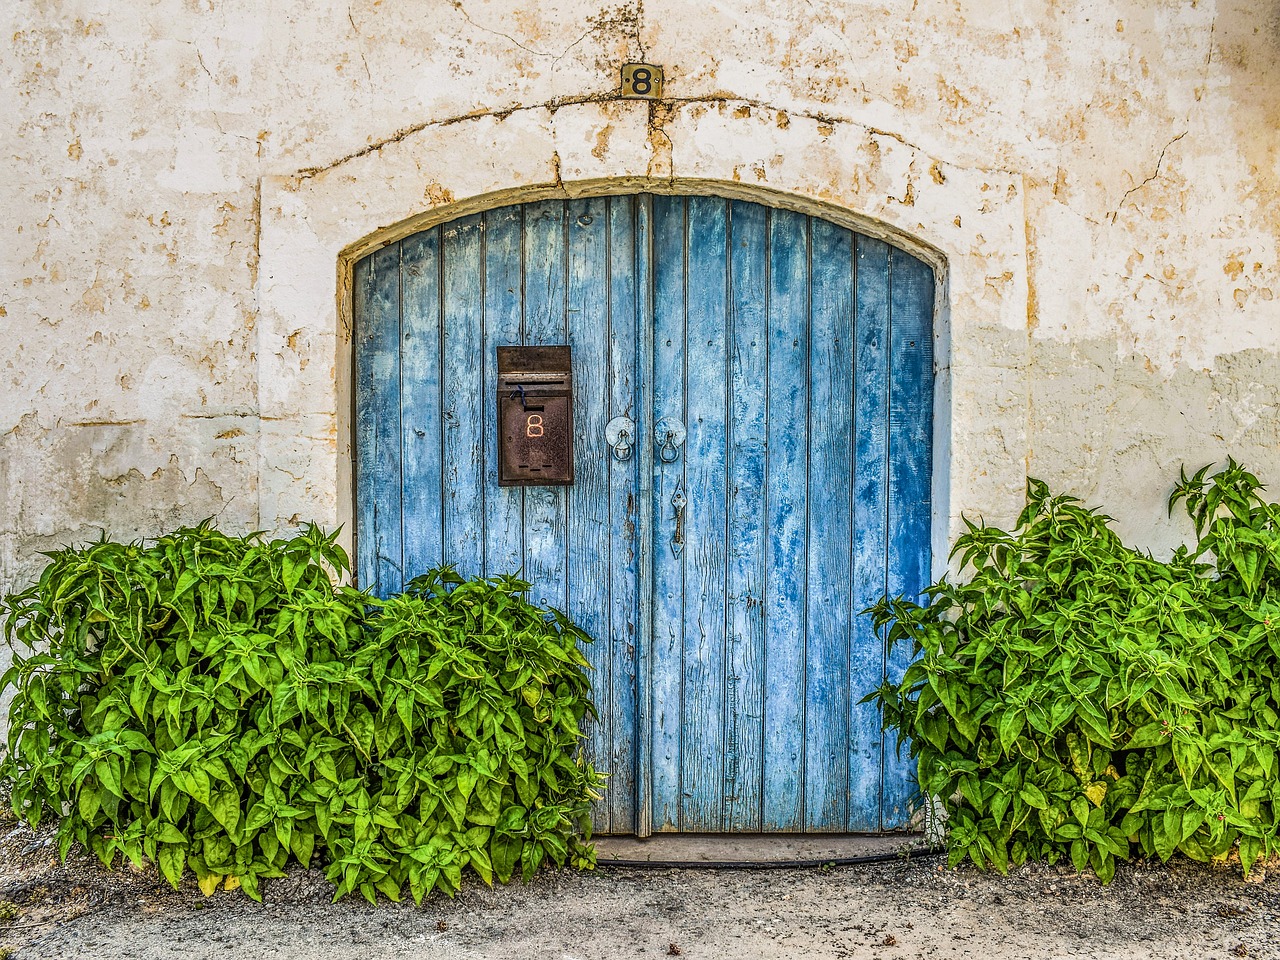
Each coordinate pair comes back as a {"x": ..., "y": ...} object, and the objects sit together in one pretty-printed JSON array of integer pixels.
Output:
[{"x": 535, "y": 416}]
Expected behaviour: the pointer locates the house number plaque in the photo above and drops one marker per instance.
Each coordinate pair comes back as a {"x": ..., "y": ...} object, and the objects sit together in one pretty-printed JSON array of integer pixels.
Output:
[{"x": 642, "y": 80}]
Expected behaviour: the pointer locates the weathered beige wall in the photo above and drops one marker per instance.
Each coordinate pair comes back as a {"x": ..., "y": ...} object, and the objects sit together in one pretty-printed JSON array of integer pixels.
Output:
[{"x": 1099, "y": 184}]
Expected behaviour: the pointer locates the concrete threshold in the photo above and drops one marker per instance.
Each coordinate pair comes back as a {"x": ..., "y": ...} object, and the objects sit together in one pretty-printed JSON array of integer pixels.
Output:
[{"x": 744, "y": 850}]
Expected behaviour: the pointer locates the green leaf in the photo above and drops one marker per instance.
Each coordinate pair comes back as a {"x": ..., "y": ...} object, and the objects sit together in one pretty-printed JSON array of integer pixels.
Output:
[
  {"x": 1033, "y": 796},
  {"x": 1148, "y": 735},
  {"x": 173, "y": 857},
  {"x": 302, "y": 844},
  {"x": 1011, "y": 724},
  {"x": 504, "y": 853},
  {"x": 1188, "y": 757},
  {"x": 360, "y": 724},
  {"x": 1080, "y": 810},
  {"x": 90, "y": 800},
  {"x": 107, "y": 771},
  {"x": 225, "y": 807}
]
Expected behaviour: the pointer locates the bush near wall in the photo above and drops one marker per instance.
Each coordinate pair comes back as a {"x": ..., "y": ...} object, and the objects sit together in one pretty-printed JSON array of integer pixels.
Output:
[
  {"x": 1077, "y": 697},
  {"x": 216, "y": 704}
]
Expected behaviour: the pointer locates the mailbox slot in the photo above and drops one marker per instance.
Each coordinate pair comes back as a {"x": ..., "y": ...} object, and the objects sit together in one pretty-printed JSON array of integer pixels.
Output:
[{"x": 535, "y": 416}]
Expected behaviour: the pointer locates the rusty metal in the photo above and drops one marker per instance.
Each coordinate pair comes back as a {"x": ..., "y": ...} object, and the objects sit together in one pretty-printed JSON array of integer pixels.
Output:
[{"x": 535, "y": 416}]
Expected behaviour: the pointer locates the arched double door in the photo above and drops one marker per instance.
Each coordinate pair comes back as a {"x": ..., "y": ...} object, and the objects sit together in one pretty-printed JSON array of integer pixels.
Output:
[{"x": 724, "y": 575}]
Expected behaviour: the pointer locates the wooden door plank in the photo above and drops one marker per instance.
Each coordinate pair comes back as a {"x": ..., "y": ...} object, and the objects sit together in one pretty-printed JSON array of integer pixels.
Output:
[
  {"x": 503, "y": 506},
  {"x": 421, "y": 479},
  {"x": 462, "y": 454},
  {"x": 748, "y": 373},
  {"x": 378, "y": 511},
  {"x": 786, "y": 558},
  {"x": 668, "y": 393},
  {"x": 870, "y": 516},
  {"x": 827, "y": 690},
  {"x": 616, "y": 693},
  {"x": 365, "y": 347},
  {"x": 703, "y": 739},
  {"x": 910, "y": 480},
  {"x": 545, "y": 508},
  {"x": 590, "y": 576},
  {"x": 645, "y": 702}
]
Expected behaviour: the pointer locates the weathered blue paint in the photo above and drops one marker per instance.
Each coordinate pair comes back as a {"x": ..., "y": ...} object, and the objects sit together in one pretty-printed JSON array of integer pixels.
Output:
[
  {"x": 421, "y": 479},
  {"x": 798, "y": 356},
  {"x": 620, "y": 707},
  {"x": 785, "y": 511},
  {"x": 462, "y": 406},
  {"x": 870, "y": 523},
  {"x": 747, "y": 459},
  {"x": 646, "y": 702},
  {"x": 378, "y": 518},
  {"x": 667, "y": 389},
  {"x": 910, "y": 480},
  {"x": 830, "y": 534},
  {"x": 702, "y": 725},
  {"x": 503, "y": 524},
  {"x": 589, "y": 500}
]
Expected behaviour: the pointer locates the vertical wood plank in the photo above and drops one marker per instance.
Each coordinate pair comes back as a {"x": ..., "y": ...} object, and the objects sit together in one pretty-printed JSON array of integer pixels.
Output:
[
  {"x": 645, "y": 702},
  {"x": 827, "y": 691},
  {"x": 668, "y": 393},
  {"x": 786, "y": 554},
  {"x": 462, "y": 450},
  {"x": 590, "y": 576},
  {"x": 378, "y": 509},
  {"x": 910, "y": 479},
  {"x": 703, "y": 738},
  {"x": 545, "y": 508},
  {"x": 870, "y": 516},
  {"x": 421, "y": 478},
  {"x": 503, "y": 506},
  {"x": 364, "y": 346},
  {"x": 620, "y": 708},
  {"x": 748, "y": 373}
]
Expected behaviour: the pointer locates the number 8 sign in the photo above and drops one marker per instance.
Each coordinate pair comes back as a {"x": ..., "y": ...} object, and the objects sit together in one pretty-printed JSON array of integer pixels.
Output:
[{"x": 643, "y": 80}]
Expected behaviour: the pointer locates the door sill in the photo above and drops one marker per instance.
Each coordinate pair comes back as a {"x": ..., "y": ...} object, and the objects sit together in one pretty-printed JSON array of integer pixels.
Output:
[{"x": 755, "y": 850}]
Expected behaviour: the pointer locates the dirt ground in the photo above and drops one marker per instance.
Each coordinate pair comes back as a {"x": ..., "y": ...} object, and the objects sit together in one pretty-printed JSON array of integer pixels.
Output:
[{"x": 893, "y": 911}]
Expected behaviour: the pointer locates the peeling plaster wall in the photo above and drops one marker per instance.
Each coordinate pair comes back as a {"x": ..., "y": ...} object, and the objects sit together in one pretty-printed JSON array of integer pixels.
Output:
[{"x": 1097, "y": 183}]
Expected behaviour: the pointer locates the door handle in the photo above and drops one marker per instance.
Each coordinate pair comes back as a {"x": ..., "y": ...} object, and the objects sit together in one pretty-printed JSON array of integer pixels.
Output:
[
  {"x": 668, "y": 435},
  {"x": 677, "y": 539},
  {"x": 620, "y": 434}
]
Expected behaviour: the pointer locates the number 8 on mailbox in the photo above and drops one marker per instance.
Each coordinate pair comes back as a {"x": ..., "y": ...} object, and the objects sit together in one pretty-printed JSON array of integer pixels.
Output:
[{"x": 535, "y": 416}]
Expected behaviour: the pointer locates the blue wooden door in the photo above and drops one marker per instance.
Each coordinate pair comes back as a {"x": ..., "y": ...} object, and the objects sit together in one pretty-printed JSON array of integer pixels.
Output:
[{"x": 779, "y": 372}]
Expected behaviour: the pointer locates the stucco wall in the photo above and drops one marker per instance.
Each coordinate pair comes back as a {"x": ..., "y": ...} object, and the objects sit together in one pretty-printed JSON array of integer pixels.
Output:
[{"x": 1098, "y": 185}]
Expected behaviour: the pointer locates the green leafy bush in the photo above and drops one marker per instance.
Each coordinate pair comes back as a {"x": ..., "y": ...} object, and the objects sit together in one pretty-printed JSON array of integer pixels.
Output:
[
  {"x": 1076, "y": 696},
  {"x": 216, "y": 703},
  {"x": 472, "y": 747}
]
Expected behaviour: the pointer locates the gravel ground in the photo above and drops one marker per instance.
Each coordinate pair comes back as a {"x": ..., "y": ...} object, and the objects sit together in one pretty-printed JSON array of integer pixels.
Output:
[{"x": 895, "y": 910}]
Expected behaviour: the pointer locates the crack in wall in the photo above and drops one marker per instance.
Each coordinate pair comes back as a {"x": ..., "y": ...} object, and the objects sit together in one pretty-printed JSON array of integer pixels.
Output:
[
  {"x": 660, "y": 143},
  {"x": 558, "y": 103},
  {"x": 457, "y": 5},
  {"x": 359, "y": 44},
  {"x": 644, "y": 51},
  {"x": 1154, "y": 175}
]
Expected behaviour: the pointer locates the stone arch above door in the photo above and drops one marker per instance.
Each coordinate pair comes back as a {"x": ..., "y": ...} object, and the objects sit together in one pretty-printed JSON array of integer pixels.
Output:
[{"x": 966, "y": 223}]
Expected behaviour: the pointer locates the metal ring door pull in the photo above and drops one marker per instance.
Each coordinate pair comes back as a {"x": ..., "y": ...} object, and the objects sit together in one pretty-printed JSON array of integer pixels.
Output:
[
  {"x": 620, "y": 434},
  {"x": 669, "y": 435}
]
